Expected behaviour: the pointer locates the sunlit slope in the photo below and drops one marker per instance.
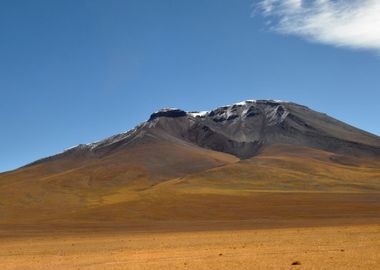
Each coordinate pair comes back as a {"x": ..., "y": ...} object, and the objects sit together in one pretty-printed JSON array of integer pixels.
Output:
[
  {"x": 289, "y": 168},
  {"x": 283, "y": 182},
  {"x": 45, "y": 190}
]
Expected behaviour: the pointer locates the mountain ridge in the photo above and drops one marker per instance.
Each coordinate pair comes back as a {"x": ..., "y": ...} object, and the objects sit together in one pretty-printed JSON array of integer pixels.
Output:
[{"x": 275, "y": 116}]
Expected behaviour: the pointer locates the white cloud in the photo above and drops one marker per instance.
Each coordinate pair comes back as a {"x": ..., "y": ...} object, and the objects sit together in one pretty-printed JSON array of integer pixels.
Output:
[{"x": 348, "y": 23}]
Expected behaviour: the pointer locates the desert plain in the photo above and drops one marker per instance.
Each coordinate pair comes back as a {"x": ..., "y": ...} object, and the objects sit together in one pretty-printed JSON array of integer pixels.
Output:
[
  {"x": 312, "y": 231},
  {"x": 321, "y": 247}
]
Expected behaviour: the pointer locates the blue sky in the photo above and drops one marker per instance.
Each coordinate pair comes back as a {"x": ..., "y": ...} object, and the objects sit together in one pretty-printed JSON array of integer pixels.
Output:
[{"x": 77, "y": 71}]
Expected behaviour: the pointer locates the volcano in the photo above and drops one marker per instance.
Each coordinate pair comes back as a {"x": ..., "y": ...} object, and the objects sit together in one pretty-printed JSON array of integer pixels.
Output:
[{"x": 242, "y": 161}]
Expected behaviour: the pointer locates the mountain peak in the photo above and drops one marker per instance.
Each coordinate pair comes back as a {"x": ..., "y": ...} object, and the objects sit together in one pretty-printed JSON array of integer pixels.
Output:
[
  {"x": 175, "y": 112},
  {"x": 258, "y": 101},
  {"x": 168, "y": 112},
  {"x": 273, "y": 110}
]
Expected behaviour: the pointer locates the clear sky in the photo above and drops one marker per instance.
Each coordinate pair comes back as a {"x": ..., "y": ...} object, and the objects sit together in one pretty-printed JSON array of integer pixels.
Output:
[{"x": 76, "y": 71}]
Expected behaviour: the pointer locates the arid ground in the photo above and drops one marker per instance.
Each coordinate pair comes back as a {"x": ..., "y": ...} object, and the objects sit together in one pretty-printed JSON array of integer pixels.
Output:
[
  {"x": 260, "y": 230},
  {"x": 287, "y": 208},
  {"x": 331, "y": 247}
]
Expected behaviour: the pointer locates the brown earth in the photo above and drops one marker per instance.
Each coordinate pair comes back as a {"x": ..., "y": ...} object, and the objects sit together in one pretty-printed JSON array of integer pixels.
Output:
[
  {"x": 334, "y": 247},
  {"x": 286, "y": 208},
  {"x": 282, "y": 182}
]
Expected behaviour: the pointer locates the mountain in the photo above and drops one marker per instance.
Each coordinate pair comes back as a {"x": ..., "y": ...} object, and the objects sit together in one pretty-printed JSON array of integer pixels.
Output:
[
  {"x": 242, "y": 129},
  {"x": 176, "y": 163}
]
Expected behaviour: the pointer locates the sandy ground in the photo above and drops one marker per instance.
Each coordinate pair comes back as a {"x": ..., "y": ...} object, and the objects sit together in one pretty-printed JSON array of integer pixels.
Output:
[{"x": 334, "y": 247}]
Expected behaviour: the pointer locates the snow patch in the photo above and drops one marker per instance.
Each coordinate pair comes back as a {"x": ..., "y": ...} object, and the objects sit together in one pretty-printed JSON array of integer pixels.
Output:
[
  {"x": 280, "y": 101},
  {"x": 242, "y": 103},
  {"x": 198, "y": 114},
  {"x": 71, "y": 147}
]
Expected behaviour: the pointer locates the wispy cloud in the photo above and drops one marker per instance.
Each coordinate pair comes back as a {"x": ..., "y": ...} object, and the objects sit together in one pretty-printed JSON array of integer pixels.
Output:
[{"x": 347, "y": 23}]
